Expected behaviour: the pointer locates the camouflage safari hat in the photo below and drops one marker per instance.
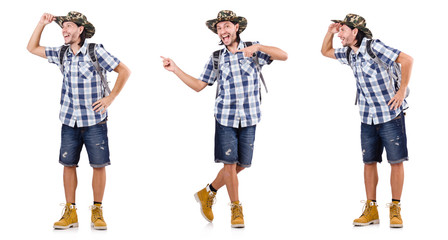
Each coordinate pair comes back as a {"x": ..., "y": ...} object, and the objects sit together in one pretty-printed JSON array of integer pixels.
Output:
[
  {"x": 79, "y": 19},
  {"x": 356, "y": 21},
  {"x": 227, "y": 15}
]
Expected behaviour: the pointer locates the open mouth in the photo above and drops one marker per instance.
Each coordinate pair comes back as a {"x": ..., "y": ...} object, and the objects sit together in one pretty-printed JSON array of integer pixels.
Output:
[{"x": 225, "y": 37}]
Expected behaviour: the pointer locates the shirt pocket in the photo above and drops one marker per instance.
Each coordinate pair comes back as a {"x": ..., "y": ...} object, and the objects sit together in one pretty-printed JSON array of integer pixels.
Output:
[
  {"x": 86, "y": 70},
  {"x": 247, "y": 66},
  {"x": 369, "y": 68},
  {"x": 225, "y": 71}
]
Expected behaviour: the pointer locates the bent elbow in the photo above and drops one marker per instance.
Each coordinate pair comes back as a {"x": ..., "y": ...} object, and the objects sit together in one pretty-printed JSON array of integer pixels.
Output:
[{"x": 30, "y": 49}]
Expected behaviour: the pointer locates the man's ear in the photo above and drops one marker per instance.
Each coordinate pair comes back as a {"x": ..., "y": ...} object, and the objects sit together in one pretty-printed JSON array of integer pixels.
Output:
[{"x": 355, "y": 32}]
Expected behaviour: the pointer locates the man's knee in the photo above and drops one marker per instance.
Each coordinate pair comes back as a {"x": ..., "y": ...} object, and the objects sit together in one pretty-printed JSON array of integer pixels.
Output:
[{"x": 230, "y": 169}]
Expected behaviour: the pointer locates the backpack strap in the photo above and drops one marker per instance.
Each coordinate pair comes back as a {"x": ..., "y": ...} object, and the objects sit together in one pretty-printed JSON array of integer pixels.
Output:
[
  {"x": 257, "y": 64},
  {"x": 347, "y": 54},
  {"x": 62, "y": 53},
  {"x": 93, "y": 58},
  {"x": 216, "y": 57},
  {"x": 349, "y": 61},
  {"x": 393, "y": 77}
]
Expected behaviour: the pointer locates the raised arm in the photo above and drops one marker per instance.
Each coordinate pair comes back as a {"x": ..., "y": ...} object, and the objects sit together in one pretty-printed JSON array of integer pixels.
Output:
[
  {"x": 192, "y": 82},
  {"x": 34, "y": 43},
  {"x": 327, "y": 46}
]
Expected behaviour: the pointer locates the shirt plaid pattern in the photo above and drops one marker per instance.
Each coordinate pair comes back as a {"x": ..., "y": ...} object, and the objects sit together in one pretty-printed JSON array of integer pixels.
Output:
[
  {"x": 82, "y": 84},
  {"x": 238, "y": 100},
  {"x": 372, "y": 81}
]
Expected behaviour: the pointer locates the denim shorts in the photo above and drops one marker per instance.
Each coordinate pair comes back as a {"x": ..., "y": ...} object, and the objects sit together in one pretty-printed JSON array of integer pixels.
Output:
[
  {"x": 93, "y": 137},
  {"x": 390, "y": 135},
  {"x": 234, "y": 145}
]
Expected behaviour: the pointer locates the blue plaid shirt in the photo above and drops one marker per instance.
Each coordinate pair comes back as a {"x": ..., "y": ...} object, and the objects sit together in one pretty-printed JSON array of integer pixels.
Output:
[
  {"x": 372, "y": 81},
  {"x": 238, "y": 99},
  {"x": 81, "y": 85}
]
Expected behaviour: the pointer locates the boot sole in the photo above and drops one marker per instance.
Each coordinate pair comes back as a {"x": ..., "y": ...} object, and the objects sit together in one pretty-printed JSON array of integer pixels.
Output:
[
  {"x": 396, "y": 225},
  {"x": 97, "y": 228},
  {"x": 73, "y": 225},
  {"x": 200, "y": 207},
  {"x": 237, "y": 225},
  {"x": 377, "y": 221}
]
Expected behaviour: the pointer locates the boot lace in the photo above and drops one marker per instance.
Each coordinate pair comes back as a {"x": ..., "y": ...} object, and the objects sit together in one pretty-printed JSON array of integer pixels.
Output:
[
  {"x": 65, "y": 211},
  {"x": 366, "y": 208},
  {"x": 211, "y": 199},
  {"x": 394, "y": 209},
  {"x": 97, "y": 212},
  {"x": 237, "y": 210}
]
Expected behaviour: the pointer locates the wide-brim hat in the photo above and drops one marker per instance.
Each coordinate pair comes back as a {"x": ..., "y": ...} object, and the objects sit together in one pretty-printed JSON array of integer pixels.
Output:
[
  {"x": 79, "y": 19},
  {"x": 356, "y": 21},
  {"x": 227, "y": 15}
]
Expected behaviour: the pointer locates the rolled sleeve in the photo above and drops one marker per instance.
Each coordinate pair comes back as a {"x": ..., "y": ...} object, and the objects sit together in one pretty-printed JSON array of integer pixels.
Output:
[
  {"x": 106, "y": 60},
  {"x": 341, "y": 55},
  {"x": 52, "y": 54},
  {"x": 208, "y": 75},
  {"x": 385, "y": 53},
  {"x": 263, "y": 58}
]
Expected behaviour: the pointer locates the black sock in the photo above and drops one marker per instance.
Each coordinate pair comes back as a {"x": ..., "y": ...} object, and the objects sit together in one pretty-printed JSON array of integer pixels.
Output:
[
  {"x": 395, "y": 200},
  {"x": 73, "y": 204},
  {"x": 212, "y": 188},
  {"x": 373, "y": 200},
  {"x": 97, "y": 203}
]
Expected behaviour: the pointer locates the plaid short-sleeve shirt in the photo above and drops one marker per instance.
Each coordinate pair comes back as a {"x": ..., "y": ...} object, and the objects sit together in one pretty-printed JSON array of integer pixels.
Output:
[
  {"x": 238, "y": 100},
  {"x": 81, "y": 85},
  {"x": 373, "y": 81}
]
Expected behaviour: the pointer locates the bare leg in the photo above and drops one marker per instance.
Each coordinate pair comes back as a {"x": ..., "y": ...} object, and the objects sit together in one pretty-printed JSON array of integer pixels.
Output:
[
  {"x": 219, "y": 180},
  {"x": 98, "y": 183},
  {"x": 397, "y": 180},
  {"x": 228, "y": 176},
  {"x": 70, "y": 184},
  {"x": 371, "y": 180}
]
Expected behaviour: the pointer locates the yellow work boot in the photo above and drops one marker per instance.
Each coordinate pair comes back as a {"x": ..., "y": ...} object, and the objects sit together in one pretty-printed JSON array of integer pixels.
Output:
[
  {"x": 395, "y": 216},
  {"x": 206, "y": 198},
  {"x": 69, "y": 217},
  {"x": 237, "y": 219},
  {"x": 97, "y": 217},
  {"x": 369, "y": 214}
]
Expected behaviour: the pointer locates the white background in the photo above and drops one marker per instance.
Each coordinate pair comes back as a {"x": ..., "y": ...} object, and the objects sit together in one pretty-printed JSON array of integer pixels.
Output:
[{"x": 307, "y": 175}]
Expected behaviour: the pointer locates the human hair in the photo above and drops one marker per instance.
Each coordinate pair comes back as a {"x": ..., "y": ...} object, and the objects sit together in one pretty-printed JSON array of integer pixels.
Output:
[
  {"x": 359, "y": 36},
  {"x": 238, "y": 39},
  {"x": 82, "y": 36}
]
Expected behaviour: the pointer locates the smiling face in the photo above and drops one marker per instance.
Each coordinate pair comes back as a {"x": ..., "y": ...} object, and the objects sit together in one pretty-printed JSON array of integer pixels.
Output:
[
  {"x": 227, "y": 32},
  {"x": 347, "y": 36},
  {"x": 71, "y": 32}
]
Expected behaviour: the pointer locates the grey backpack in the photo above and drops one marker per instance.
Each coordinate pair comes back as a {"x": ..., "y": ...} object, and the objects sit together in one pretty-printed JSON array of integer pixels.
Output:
[{"x": 395, "y": 79}]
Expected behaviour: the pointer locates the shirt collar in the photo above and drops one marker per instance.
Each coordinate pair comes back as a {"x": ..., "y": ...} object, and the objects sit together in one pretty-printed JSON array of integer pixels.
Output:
[
  {"x": 240, "y": 46},
  {"x": 362, "y": 49},
  {"x": 82, "y": 50}
]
